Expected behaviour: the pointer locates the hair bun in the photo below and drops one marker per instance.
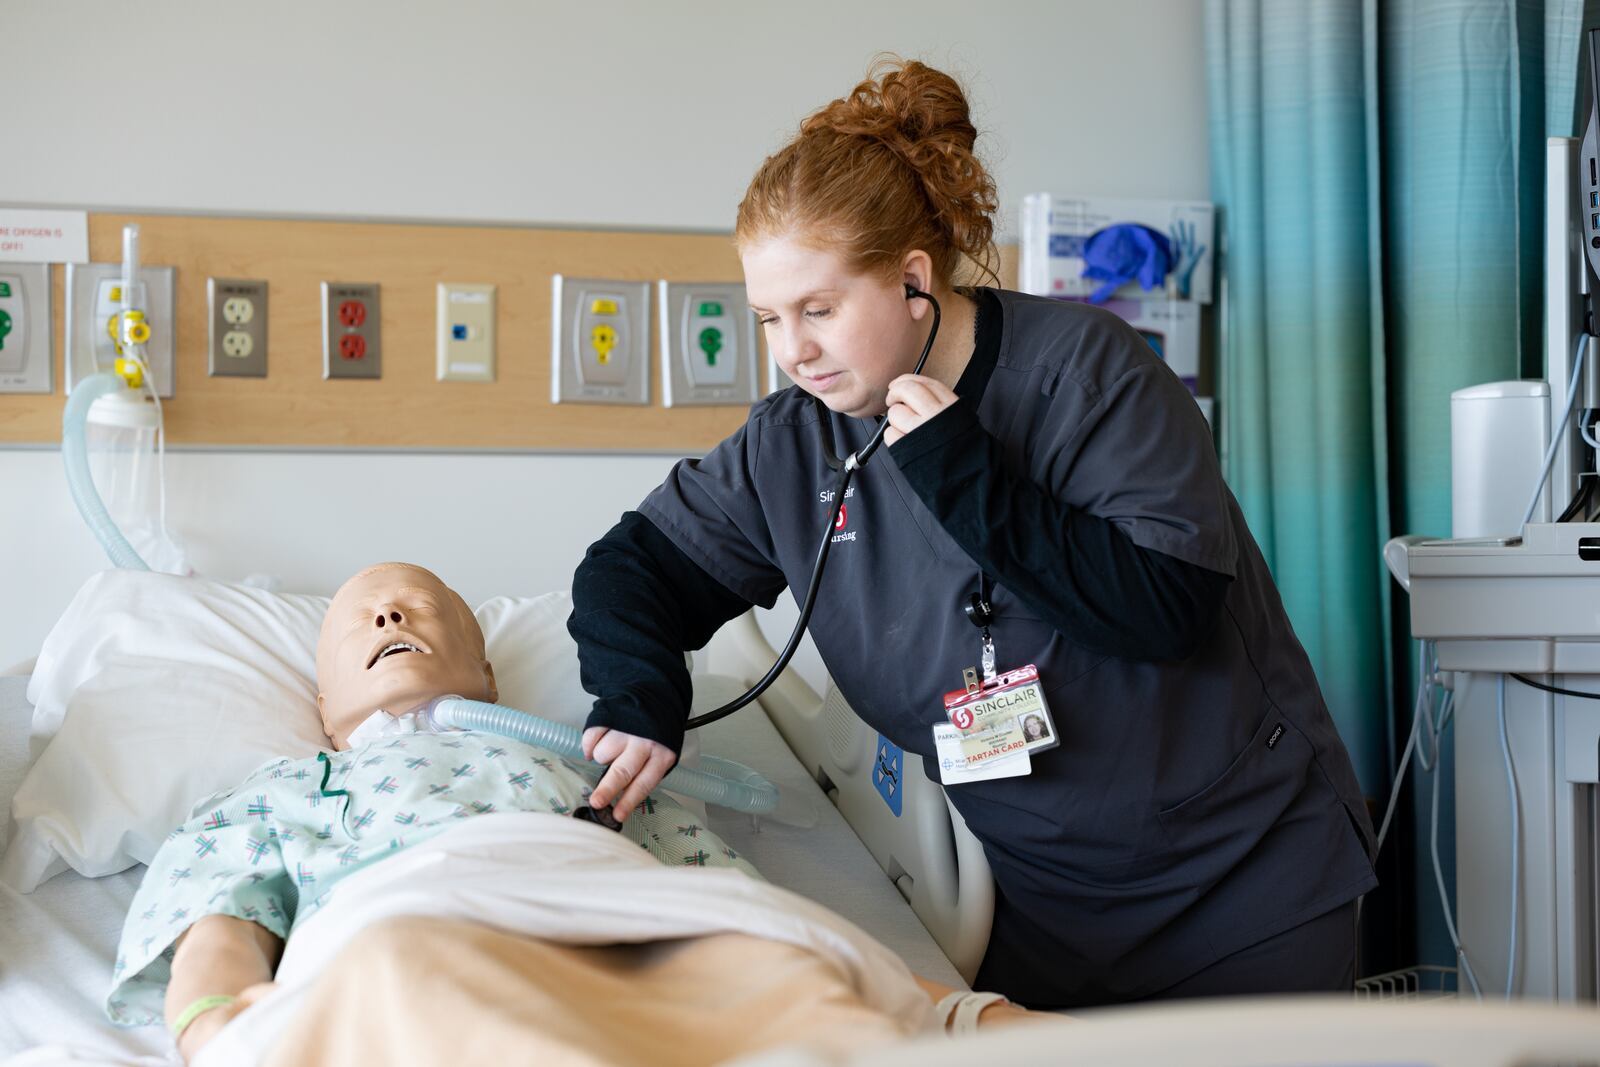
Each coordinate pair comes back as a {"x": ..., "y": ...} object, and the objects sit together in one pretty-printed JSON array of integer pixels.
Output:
[
  {"x": 888, "y": 167},
  {"x": 901, "y": 103}
]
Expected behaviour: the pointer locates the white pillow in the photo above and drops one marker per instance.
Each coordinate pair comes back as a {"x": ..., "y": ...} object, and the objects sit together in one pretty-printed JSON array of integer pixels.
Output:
[
  {"x": 139, "y": 744},
  {"x": 153, "y": 691},
  {"x": 123, "y": 618}
]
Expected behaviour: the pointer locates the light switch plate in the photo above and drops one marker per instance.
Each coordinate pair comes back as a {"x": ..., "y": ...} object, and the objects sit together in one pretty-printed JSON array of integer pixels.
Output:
[
  {"x": 466, "y": 333},
  {"x": 351, "y": 340},
  {"x": 600, "y": 341},
  {"x": 708, "y": 344},
  {"x": 93, "y": 296},
  {"x": 237, "y": 328},
  {"x": 26, "y": 356}
]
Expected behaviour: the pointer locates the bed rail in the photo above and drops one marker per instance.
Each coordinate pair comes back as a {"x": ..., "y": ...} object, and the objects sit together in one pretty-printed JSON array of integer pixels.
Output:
[{"x": 926, "y": 850}]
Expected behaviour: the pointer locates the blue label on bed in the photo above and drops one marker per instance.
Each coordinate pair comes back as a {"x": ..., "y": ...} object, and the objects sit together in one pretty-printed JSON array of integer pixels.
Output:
[{"x": 888, "y": 771}]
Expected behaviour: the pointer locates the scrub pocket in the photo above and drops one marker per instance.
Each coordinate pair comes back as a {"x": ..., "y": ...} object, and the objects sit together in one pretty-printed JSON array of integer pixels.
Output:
[{"x": 1223, "y": 822}]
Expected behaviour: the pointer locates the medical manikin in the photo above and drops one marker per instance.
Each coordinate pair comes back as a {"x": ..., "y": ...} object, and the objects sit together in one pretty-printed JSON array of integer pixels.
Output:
[{"x": 251, "y": 866}]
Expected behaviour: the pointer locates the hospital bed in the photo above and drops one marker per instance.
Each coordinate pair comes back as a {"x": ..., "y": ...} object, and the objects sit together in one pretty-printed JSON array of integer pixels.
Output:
[
  {"x": 57, "y": 943},
  {"x": 904, "y": 881}
]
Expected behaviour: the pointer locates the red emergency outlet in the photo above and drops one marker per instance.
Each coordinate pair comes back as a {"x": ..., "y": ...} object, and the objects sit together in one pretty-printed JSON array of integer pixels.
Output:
[
  {"x": 352, "y": 313},
  {"x": 353, "y": 346}
]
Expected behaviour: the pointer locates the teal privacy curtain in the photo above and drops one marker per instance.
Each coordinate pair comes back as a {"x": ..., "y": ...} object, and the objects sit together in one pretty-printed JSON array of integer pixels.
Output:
[{"x": 1379, "y": 171}]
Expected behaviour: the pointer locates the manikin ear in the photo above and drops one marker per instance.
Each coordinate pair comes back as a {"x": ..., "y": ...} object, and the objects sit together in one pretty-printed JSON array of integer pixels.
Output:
[
  {"x": 488, "y": 678},
  {"x": 322, "y": 713},
  {"x": 916, "y": 270}
]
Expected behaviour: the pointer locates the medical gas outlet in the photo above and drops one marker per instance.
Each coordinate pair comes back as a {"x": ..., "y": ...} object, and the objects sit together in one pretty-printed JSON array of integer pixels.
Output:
[
  {"x": 600, "y": 341},
  {"x": 350, "y": 337},
  {"x": 98, "y": 338},
  {"x": 237, "y": 321},
  {"x": 708, "y": 344},
  {"x": 465, "y": 333},
  {"x": 25, "y": 353}
]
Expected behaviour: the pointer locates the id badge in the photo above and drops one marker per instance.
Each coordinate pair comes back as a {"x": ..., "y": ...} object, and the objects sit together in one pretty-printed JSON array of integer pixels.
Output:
[
  {"x": 955, "y": 769},
  {"x": 999, "y": 717}
]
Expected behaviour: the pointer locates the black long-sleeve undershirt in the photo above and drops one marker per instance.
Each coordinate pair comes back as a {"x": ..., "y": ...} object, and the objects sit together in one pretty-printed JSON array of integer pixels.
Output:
[
  {"x": 638, "y": 604},
  {"x": 1075, "y": 570}
]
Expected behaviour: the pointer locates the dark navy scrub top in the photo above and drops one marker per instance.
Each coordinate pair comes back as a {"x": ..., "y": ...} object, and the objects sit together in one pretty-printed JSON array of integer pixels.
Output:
[{"x": 1199, "y": 801}]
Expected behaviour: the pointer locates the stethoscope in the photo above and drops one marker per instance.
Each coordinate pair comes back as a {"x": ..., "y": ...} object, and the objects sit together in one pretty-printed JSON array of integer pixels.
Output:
[{"x": 847, "y": 468}]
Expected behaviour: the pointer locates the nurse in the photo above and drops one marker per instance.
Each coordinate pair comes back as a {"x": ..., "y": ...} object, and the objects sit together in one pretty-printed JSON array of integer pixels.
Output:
[{"x": 1193, "y": 825}]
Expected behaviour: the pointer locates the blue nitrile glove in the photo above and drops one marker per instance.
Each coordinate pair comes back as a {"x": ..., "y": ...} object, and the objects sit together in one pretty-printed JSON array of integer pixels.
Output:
[{"x": 1122, "y": 252}]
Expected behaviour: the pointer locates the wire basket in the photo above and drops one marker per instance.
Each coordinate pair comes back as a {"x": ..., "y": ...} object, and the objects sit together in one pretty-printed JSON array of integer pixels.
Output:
[{"x": 1424, "y": 982}]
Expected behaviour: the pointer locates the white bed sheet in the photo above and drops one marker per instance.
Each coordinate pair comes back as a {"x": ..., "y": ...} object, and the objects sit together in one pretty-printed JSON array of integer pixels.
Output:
[
  {"x": 57, "y": 943},
  {"x": 828, "y": 862}
]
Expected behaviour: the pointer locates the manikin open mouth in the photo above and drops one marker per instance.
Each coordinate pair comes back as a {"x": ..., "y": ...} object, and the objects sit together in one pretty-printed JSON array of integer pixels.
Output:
[{"x": 394, "y": 648}]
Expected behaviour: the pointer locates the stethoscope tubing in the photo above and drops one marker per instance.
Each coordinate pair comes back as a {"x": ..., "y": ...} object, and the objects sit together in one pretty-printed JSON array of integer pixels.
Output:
[{"x": 847, "y": 468}]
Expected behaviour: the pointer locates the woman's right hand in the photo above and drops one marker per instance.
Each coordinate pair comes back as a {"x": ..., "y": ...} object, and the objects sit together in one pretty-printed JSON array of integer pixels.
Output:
[
  {"x": 205, "y": 1027},
  {"x": 634, "y": 767}
]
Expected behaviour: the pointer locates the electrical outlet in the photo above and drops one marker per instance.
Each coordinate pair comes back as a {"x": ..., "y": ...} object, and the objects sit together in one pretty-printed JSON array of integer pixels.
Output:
[
  {"x": 600, "y": 341},
  {"x": 25, "y": 350},
  {"x": 94, "y": 302},
  {"x": 237, "y": 335},
  {"x": 708, "y": 344},
  {"x": 350, "y": 336}
]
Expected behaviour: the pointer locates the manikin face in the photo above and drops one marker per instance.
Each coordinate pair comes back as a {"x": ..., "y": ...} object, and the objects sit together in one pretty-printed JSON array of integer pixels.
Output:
[
  {"x": 843, "y": 337},
  {"x": 394, "y": 638}
]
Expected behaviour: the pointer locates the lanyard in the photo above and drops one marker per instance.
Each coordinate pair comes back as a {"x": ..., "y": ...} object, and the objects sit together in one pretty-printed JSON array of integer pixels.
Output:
[{"x": 981, "y": 614}]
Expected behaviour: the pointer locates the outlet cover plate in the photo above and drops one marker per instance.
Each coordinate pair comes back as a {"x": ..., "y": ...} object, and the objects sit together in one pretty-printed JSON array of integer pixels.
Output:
[
  {"x": 236, "y": 335},
  {"x": 26, "y": 356},
  {"x": 600, "y": 341},
  {"x": 351, "y": 341},
  {"x": 465, "y": 344},
  {"x": 708, "y": 344},
  {"x": 90, "y": 303}
]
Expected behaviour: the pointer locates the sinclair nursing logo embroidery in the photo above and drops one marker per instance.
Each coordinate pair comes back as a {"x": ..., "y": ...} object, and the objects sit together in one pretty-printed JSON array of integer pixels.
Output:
[{"x": 840, "y": 533}]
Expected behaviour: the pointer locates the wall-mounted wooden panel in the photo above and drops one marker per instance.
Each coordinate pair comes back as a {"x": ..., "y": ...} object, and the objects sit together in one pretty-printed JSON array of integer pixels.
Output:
[{"x": 408, "y": 409}]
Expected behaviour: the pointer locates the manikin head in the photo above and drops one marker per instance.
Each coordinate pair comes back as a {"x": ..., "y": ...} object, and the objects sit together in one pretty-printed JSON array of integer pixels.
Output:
[{"x": 394, "y": 638}]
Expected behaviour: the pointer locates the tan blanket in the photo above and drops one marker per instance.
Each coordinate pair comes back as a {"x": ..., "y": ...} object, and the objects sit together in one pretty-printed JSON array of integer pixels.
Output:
[{"x": 429, "y": 991}]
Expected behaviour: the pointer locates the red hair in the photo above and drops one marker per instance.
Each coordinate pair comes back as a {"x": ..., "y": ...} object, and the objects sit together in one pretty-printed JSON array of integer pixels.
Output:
[{"x": 888, "y": 169}]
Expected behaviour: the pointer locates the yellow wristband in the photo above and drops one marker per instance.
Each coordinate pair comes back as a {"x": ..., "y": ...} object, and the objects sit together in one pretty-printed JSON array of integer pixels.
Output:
[{"x": 197, "y": 1009}]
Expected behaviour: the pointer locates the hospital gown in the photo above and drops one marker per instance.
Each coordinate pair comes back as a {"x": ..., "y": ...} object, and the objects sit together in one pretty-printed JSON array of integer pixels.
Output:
[{"x": 272, "y": 850}]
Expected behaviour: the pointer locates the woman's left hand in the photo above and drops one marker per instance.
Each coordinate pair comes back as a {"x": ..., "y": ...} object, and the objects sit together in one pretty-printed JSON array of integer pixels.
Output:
[{"x": 913, "y": 400}]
